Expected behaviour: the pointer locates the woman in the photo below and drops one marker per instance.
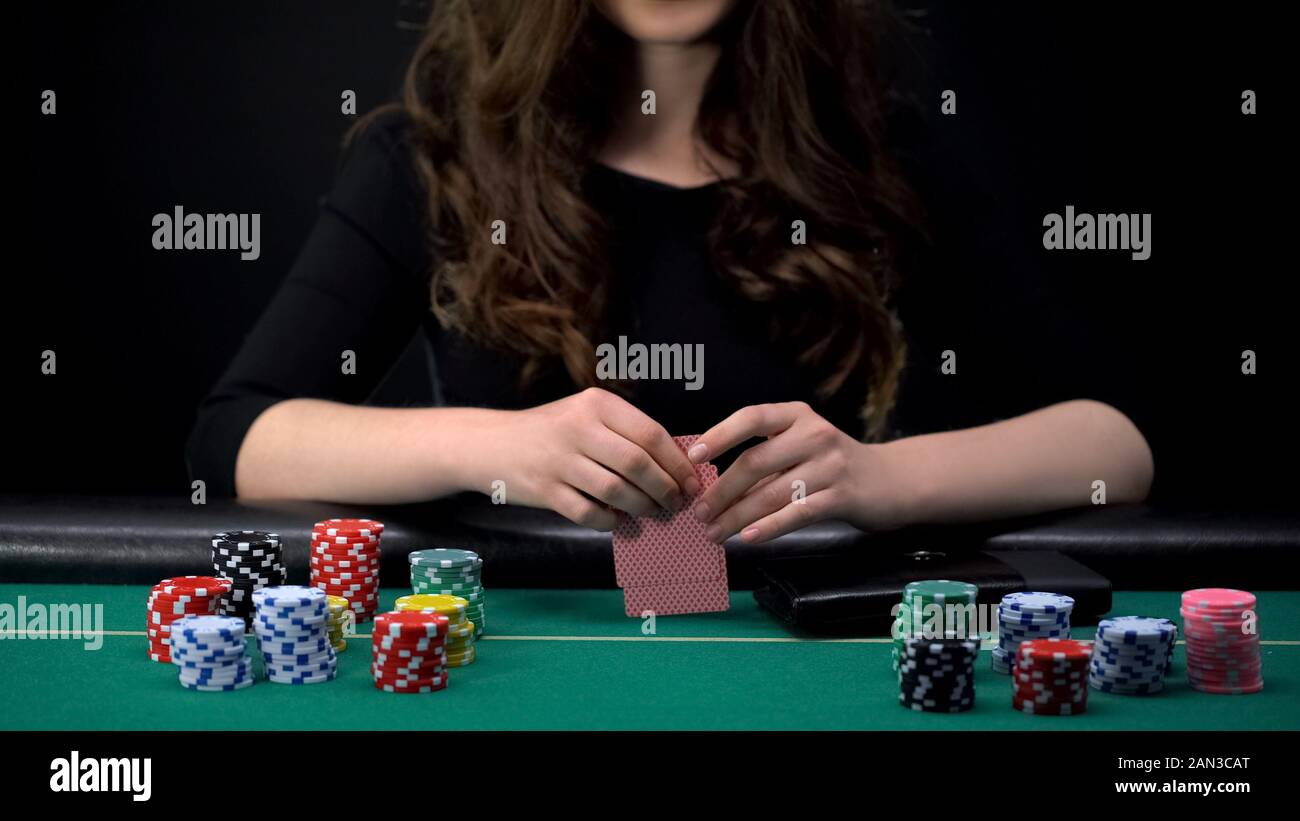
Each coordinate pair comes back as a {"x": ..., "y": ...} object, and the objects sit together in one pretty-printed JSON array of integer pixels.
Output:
[{"x": 707, "y": 173}]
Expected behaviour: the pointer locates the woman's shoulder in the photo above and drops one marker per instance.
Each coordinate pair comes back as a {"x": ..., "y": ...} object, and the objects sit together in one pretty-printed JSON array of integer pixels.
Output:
[
  {"x": 378, "y": 190},
  {"x": 385, "y": 132}
]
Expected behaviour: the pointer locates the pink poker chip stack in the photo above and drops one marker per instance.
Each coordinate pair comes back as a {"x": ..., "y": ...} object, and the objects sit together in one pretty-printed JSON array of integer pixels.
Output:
[{"x": 1222, "y": 637}]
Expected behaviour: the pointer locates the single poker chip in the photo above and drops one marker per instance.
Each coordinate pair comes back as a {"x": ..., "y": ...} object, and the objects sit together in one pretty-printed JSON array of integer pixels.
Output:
[
  {"x": 446, "y": 558},
  {"x": 245, "y": 538},
  {"x": 218, "y": 688},
  {"x": 330, "y": 566},
  {"x": 450, "y": 606},
  {"x": 1219, "y": 598},
  {"x": 315, "y": 677},
  {"x": 433, "y": 575},
  {"x": 339, "y": 550},
  {"x": 941, "y": 591},
  {"x": 1037, "y": 603},
  {"x": 277, "y": 647},
  {"x": 407, "y": 645},
  {"x": 202, "y": 586},
  {"x": 462, "y": 659},
  {"x": 288, "y": 619},
  {"x": 349, "y": 527},
  {"x": 399, "y": 624},
  {"x": 1137, "y": 630},
  {"x": 422, "y": 688},
  {"x": 348, "y": 578},
  {"x": 409, "y": 667},
  {"x": 289, "y": 596},
  {"x": 208, "y": 627}
]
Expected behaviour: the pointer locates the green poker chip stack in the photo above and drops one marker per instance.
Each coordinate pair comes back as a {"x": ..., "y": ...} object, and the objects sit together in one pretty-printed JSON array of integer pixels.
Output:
[
  {"x": 451, "y": 572},
  {"x": 921, "y": 595}
]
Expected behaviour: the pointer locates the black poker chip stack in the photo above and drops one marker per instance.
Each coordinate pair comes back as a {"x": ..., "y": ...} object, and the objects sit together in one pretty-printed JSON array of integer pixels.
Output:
[
  {"x": 251, "y": 559},
  {"x": 938, "y": 675}
]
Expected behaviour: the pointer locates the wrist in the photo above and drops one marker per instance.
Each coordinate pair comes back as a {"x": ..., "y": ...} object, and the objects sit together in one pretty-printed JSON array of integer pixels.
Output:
[
  {"x": 461, "y": 449},
  {"x": 901, "y": 488}
]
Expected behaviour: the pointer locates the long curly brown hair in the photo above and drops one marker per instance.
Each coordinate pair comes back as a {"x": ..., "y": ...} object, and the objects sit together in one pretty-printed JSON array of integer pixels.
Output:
[{"x": 511, "y": 101}]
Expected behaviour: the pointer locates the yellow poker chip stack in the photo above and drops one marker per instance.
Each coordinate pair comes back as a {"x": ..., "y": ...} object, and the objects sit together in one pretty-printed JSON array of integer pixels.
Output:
[
  {"x": 459, "y": 644},
  {"x": 340, "y": 621}
]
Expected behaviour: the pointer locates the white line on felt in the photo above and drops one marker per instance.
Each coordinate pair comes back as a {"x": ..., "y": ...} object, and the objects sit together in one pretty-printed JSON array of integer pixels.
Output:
[{"x": 40, "y": 634}]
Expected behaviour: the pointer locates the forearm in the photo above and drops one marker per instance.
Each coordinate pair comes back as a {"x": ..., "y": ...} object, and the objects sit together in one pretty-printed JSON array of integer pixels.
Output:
[
  {"x": 1044, "y": 460},
  {"x": 314, "y": 449}
]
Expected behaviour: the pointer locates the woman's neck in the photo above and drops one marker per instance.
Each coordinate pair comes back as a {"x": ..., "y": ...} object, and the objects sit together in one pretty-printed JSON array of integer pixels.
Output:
[{"x": 664, "y": 145}]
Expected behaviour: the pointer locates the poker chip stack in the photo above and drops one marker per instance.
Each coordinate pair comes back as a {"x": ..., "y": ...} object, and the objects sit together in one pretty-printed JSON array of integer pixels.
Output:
[
  {"x": 1131, "y": 655},
  {"x": 292, "y": 628},
  {"x": 209, "y": 650},
  {"x": 1222, "y": 642},
  {"x": 449, "y": 572},
  {"x": 251, "y": 559},
  {"x": 938, "y": 675},
  {"x": 917, "y": 596},
  {"x": 1051, "y": 677},
  {"x": 344, "y": 562},
  {"x": 459, "y": 643},
  {"x": 341, "y": 621},
  {"x": 1027, "y": 616},
  {"x": 174, "y": 599},
  {"x": 407, "y": 654}
]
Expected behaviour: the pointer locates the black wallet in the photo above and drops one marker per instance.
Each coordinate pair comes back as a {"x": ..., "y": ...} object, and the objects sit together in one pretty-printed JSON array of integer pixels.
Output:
[{"x": 853, "y": 594}]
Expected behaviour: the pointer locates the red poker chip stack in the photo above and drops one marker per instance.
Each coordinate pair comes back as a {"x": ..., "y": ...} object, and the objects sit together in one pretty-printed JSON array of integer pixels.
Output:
[
  {"x": 344, "y": 562},
  {"x": 1222, "y": 642},
  {"x": 173, "y": 599},
  {"x": 408, "y": 653},
  {"x": 1050, "y": 677}
]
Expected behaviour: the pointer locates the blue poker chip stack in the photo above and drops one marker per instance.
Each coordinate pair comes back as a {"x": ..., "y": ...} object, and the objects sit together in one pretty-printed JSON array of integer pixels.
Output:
[
  {"x": 1027, "y": 617},
  {"x": 1131, "y": 655},
  {"x": 292, "y": 628},
  {"x": 209, "y": 650}
]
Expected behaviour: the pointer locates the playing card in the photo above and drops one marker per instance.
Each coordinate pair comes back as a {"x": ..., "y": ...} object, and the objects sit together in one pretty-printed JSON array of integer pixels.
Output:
[
  {"x": 675, "y": 599},
  {"x": 665, "y": 564},
  {"x": 668, "y": 546}
]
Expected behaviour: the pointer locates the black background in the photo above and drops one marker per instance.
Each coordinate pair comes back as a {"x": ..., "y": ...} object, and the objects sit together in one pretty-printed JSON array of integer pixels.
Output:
[{"x": 1121, "y": 107}]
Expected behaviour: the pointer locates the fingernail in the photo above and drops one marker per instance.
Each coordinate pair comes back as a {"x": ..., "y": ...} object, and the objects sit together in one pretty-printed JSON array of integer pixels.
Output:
[
  {"x": 713, "y": 534},
  {"x": 697, "y": 452},
  {"x": 749, "y": 534},
  {"x": 701, "y": 512},
  {"x": 675, "y": 501},
  {"x": 692, "y": 486}
]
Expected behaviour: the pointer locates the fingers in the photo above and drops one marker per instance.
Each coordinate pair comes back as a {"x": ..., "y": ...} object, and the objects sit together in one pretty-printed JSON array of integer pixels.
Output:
[
  {"x": 817, "y": 506},
  {"x": 649, "y": 436},
  {"x": 765, "y": 498},
  {"x": 580, "y": 510},
  {"x": 762, "y": 460},
  {"x": 606, "y": 486},
  {"x": 744, "y": 424}
]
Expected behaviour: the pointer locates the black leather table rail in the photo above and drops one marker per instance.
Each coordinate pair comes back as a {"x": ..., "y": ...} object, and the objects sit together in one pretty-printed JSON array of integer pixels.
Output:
[{"x": 93, "y": 539}]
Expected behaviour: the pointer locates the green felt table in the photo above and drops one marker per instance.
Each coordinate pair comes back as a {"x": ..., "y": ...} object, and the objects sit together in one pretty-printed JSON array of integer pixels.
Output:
[{"x": 557, "y": 659}]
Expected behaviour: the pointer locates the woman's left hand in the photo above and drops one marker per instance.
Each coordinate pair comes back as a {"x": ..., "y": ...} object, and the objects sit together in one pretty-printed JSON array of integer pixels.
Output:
[{"x": 806, "y": 471}]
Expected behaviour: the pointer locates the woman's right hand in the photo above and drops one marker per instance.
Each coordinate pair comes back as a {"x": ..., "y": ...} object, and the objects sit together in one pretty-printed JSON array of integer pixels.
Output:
[{"x": 581, "y": 456}]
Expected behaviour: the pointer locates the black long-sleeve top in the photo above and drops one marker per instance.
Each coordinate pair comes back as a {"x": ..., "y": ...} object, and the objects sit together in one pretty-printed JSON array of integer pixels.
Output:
[{"x": 361, "y": 283}]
